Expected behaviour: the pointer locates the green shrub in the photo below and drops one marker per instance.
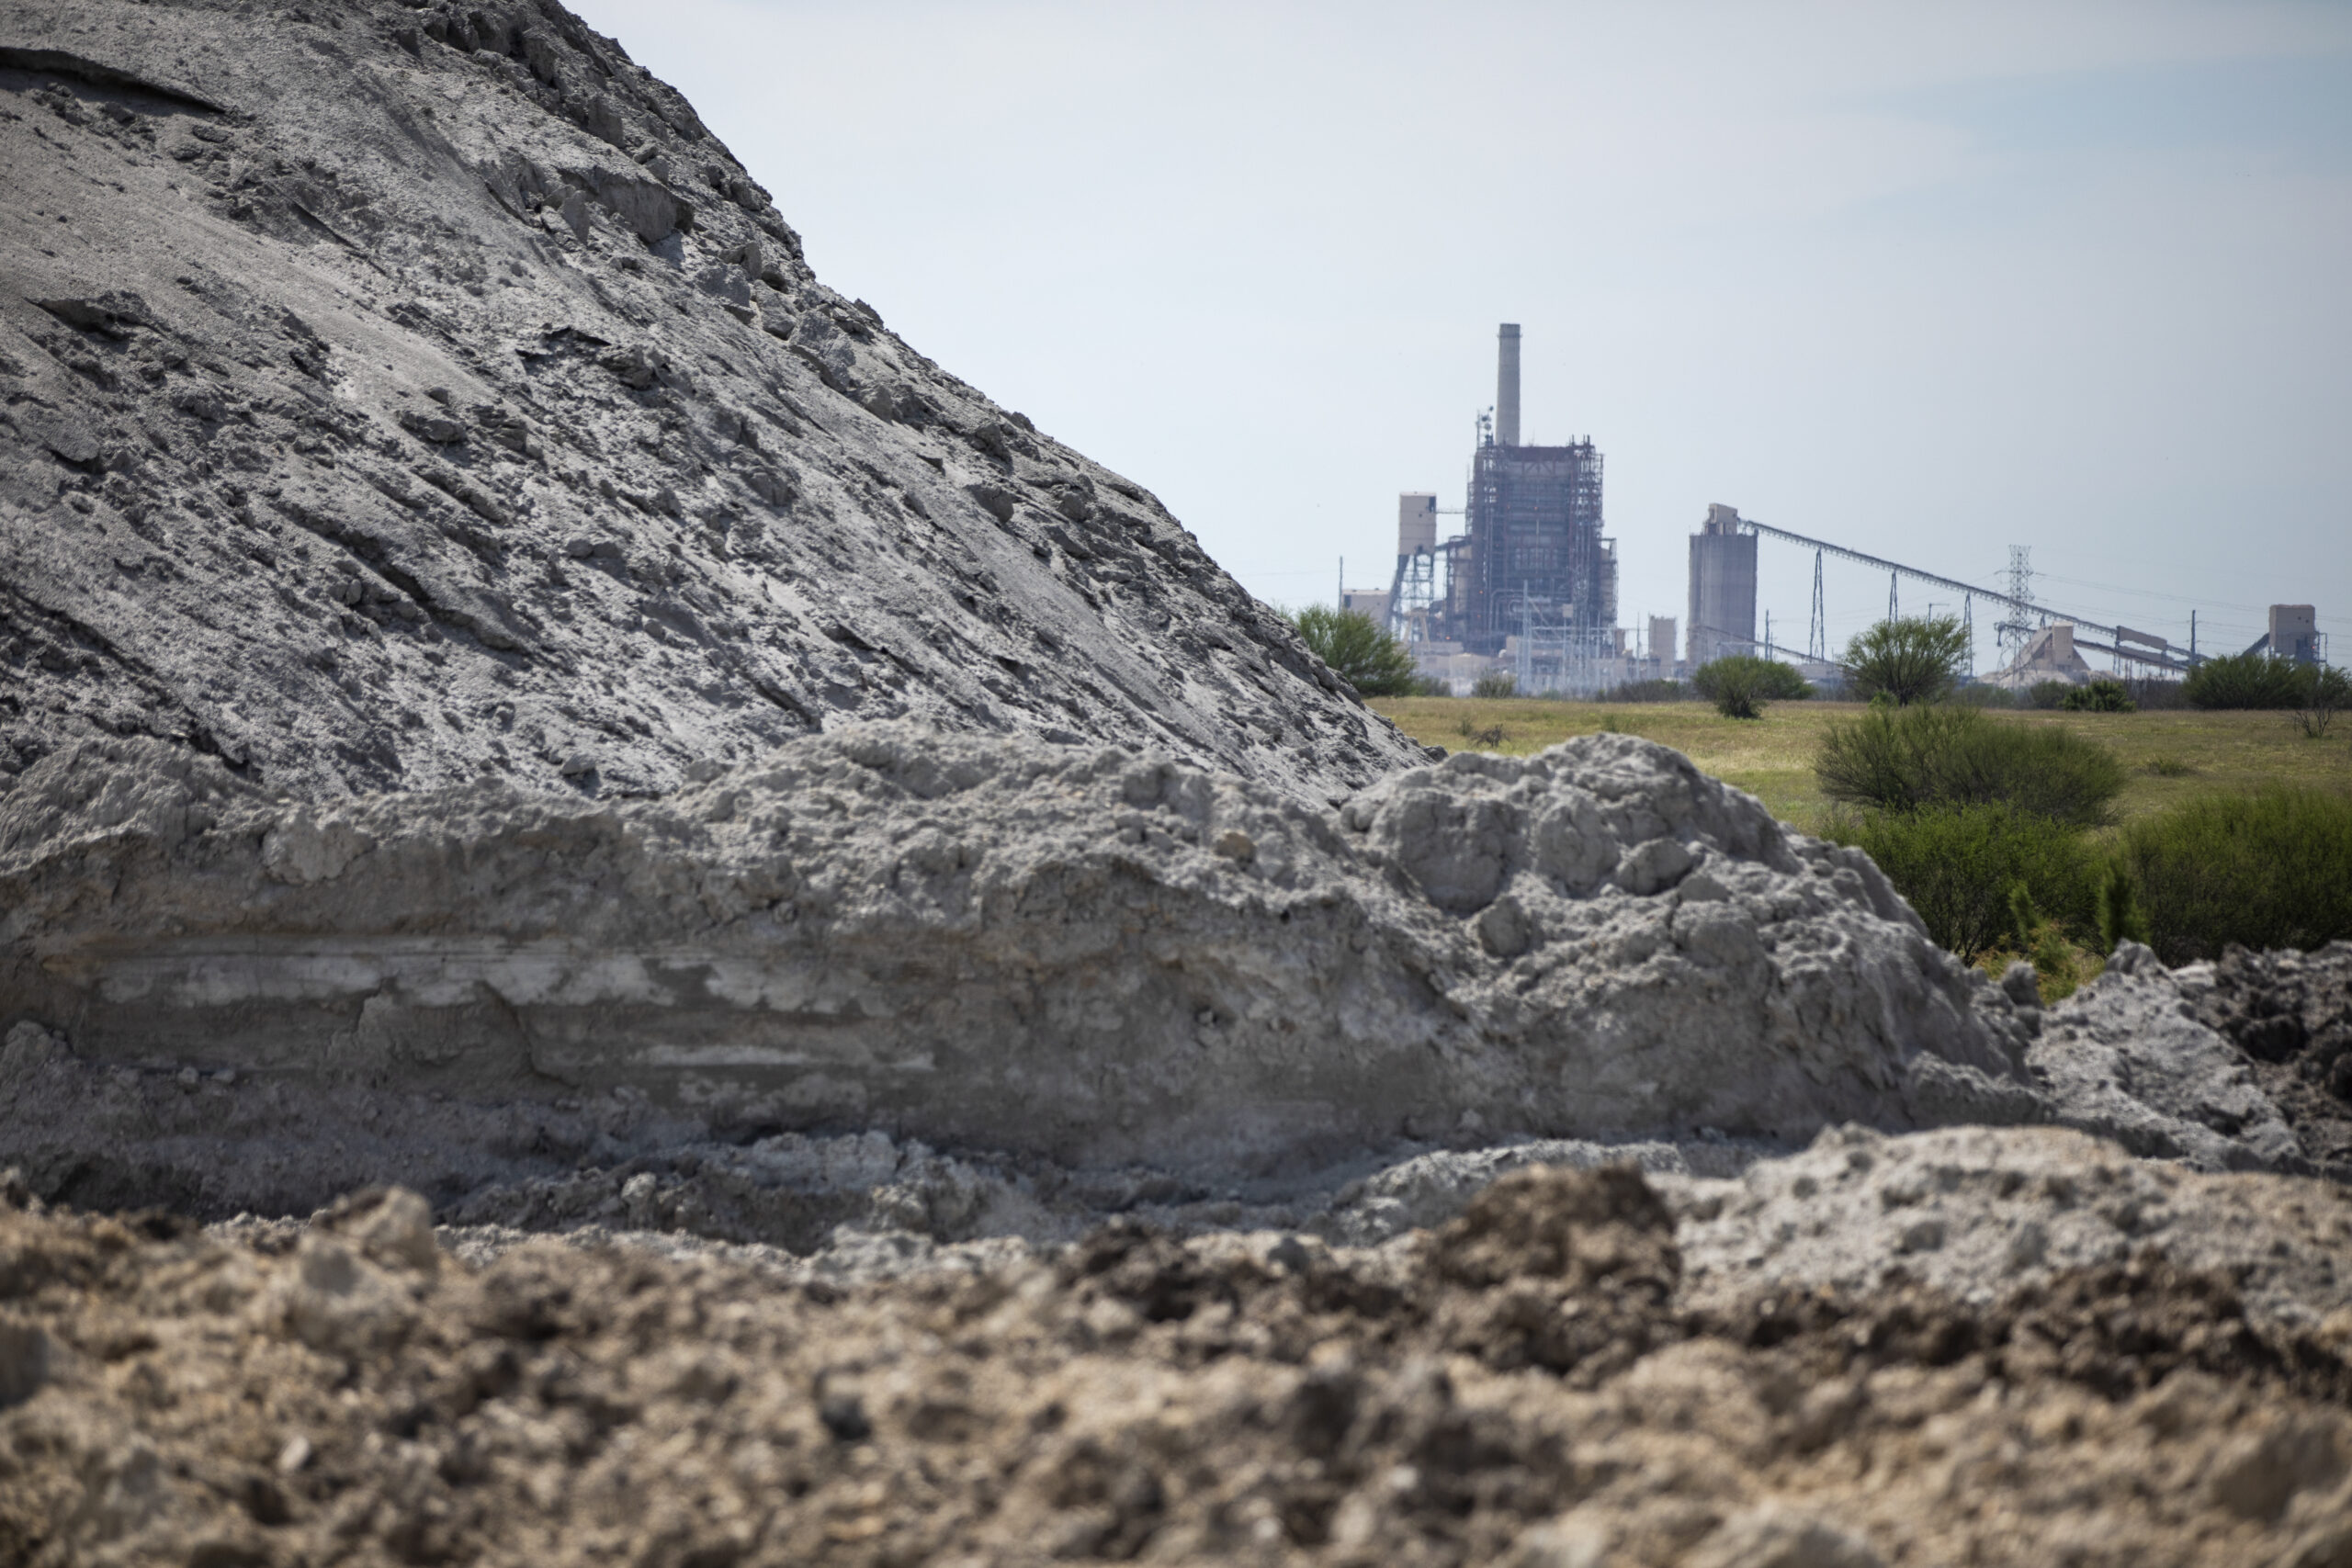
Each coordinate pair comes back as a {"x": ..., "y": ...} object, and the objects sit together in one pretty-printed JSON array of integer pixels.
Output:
[
  {"x": 1913, "y": 659},
  {"x": 2049, "y": 693},
  {"x": 2267, "y": 869},
  {"x": 1977, "y": 695},
  {"x": 1355, "y": 647},
  {"x": 2261, "y": 681},
  {"x": 1768, "y": 679},
  {"x": 1740, "y": 684},
  {"x": 1736, "y": 698},
  {"x": 1915, "y": 758},
  {"x": 2099, "y": 697},
  {"x": 1495, "y": 683},
  {"x": 1959, "y": 867}
]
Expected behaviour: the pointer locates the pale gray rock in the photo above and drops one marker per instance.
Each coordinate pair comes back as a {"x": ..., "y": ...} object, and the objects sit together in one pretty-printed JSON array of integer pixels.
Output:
[
  {"x": 2127, "y": 1058},
  {"x": 1094, "y": 957},
  {"x": 326, "y": 331}
]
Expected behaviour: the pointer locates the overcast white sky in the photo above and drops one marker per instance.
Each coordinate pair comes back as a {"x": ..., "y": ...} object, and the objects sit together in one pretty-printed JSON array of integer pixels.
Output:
[{"x": 1927, "y": 280}]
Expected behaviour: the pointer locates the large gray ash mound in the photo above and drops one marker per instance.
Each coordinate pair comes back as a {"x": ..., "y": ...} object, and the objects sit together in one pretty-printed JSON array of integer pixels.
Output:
[
  {"x": 391, "y": 395},
  {"x": 1072, "y": 959}
]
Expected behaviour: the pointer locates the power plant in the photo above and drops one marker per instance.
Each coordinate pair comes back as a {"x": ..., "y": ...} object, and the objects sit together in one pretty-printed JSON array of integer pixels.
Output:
[
  {"x": 1531, "y": 576},
  {"x": 1528, "y": 587}
]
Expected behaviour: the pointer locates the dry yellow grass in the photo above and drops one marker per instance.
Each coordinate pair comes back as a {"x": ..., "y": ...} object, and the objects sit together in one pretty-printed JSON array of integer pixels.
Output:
[{"x": 2171, "y": 755}]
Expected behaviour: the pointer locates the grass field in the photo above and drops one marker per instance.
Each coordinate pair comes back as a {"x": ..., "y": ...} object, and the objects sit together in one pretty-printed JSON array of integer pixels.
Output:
[{"x": 2171, "y": 755}]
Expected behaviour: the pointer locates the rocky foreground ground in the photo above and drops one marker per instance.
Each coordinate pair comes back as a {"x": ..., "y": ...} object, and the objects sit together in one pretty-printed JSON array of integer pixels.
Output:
[
  {"x": 915, "y": 1147},
  {"x": 676, "y": 941},
  {"x": 1532, "y": 1384}
]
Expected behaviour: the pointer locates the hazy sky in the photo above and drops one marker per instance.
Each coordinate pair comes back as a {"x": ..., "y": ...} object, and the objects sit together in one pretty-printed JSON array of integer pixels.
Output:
[{"x": 1925, "y": 280}]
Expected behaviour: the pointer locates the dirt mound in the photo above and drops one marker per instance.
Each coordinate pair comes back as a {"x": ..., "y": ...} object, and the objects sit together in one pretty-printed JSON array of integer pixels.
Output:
[
  {"x": 1522, "y": 1387},
  {"x": 392, "y": 394}
]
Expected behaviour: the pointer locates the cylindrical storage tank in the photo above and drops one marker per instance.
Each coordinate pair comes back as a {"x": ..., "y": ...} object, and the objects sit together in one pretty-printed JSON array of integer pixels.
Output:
[
  {"x": 1506, "y": 386},
  {"x": 1723, "y": 589}
]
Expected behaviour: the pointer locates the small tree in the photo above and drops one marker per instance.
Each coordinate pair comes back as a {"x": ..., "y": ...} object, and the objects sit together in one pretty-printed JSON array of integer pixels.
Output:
[
  {"x": 2327, "y": 693},
  {"x": 1913, "y": 659},
  {"x": 1355, "y": 647}
]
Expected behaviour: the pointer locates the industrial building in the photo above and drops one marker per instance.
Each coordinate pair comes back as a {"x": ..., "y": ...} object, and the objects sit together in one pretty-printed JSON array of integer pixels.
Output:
[
  {"x": 2294, "y": 634},
  {"x": 1723, "y": 588},
  {"x": 1532, "y": 574}
]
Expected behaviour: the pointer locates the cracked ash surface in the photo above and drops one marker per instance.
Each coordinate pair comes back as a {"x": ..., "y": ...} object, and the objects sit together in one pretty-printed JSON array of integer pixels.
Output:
[{"x": 393, "y": 395}]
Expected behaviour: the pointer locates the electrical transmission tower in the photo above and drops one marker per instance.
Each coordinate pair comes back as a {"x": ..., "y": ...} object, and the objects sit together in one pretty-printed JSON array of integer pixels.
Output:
[
  {"x": 2013, "y": 628},
  {"x": 1816, "y": 642}
]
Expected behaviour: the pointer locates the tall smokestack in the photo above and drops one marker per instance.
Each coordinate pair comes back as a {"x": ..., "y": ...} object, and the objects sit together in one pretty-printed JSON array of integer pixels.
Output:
[{"x": 1506, "y": 386}]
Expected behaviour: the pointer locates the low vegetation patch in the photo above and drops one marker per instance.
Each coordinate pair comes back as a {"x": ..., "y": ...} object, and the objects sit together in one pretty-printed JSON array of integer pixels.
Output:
[
  {"x": 2260, "y": 680},
  {"x": 1648, "y": 692},
  {"x": 2271, "y": 869},
  {"x": 2049, "y": 693},
  {"x": 2099, "y": 697},
  {"x": 1945, "y": 755},
  {"x": 1962, "y": 867},
  {"x": 1495, "y": 683}
]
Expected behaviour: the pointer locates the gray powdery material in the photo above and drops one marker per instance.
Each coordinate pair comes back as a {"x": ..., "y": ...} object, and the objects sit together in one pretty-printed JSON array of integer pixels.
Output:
[
  {"x": 1090, "y": 955},
  {"x": 2127, "y": 1058},
  {"x": 1979, "y": 1211},
  {"x": 391, "y": 395}
]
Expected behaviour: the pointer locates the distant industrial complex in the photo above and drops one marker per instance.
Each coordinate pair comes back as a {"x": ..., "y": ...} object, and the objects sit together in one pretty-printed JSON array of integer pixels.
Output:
[{"x": 1528, "y": 587}]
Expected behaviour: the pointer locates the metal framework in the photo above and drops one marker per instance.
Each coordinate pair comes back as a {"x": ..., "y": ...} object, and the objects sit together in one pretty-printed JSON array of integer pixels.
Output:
[
  {"x": 1765, "y": 646},
  {"x": 2157, "y": 654},
  {"x": 2015, "y": 631},
  {"x": 1535, "y": 545},
  {"x": 1557, "y": 654},
  {"x": 1816, "y": 639}
]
